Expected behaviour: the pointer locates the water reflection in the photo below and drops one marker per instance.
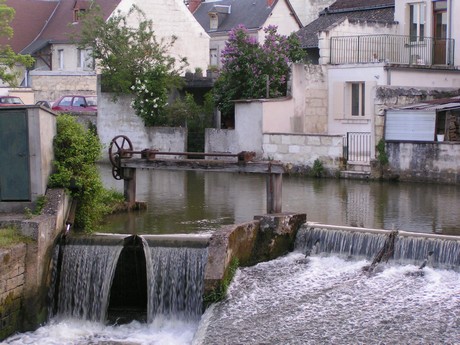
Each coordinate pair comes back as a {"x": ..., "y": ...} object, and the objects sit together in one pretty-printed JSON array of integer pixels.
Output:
[{"x": 192, "y": 201}]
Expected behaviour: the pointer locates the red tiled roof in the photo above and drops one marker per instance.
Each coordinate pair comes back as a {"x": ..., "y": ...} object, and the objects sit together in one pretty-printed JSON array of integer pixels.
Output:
[
  {"x": 30, "y": 18},
  {"x": 58, "y": 29},
  {"x": 48, "y": 20}
]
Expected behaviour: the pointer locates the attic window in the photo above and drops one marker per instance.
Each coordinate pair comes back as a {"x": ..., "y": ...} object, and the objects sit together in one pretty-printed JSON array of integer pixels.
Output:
[
  {"x": 77, "y": 13},
  {"x": 213, "y": 21},
  {"x": 79, "y": 8}
]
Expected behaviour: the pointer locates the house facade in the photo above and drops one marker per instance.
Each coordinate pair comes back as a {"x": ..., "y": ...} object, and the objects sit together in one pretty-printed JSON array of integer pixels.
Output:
[
  {"x": 365, "y": 50},
  {"x": 218, "y": 17},
  {"x": 61, "y": 67}
]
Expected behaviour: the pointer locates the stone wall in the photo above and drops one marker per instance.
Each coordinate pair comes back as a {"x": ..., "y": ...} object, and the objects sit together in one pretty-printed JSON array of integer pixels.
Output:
[
  {"x": 49, "y": 85},
  {"x": 12, "y": 280},
  {"x": 304, "y": 149},
  {"x": 25, "y": 268},
  {"x": 316, "y": 99}
]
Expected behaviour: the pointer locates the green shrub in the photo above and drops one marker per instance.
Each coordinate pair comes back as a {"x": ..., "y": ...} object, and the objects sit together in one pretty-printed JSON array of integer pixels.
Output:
[
  {"x": 220, "y": 292},
  {"x": 382, "y": 156},
  {"x": 39, "y": 205},
  {"x": 318, "y": 168},
  {"x": 76, "y": 151}
]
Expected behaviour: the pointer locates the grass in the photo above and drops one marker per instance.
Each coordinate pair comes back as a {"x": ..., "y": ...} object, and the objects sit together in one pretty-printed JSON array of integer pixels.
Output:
[{"x": 11, "y": 236}]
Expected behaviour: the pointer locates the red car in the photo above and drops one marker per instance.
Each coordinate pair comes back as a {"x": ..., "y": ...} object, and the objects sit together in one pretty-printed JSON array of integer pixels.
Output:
[
  {"x": 76, "y": 104},
  {"x": 9, "y": 101}
]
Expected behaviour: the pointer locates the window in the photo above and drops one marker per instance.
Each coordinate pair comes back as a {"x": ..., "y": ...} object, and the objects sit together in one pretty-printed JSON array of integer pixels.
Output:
[
  {"x": 78, "y": 102},
  {"x": 77, "y": 14},
  {"x": 80, "y": 58},
  {"x": 417, "y": 22},
  {"x": 357, "y": 99},
  {"x": 213, "y": 60},
  {"x": 61, "y": 58}
]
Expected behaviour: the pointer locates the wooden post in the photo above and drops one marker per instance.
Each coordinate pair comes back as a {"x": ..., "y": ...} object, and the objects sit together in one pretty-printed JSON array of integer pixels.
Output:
[
  {"x": 129, "y": 178},
  {"x": 274, "y": 193}
]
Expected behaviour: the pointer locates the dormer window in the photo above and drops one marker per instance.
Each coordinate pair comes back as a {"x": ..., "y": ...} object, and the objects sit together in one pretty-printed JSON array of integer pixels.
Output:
[
  {"x": 79, "y": 8},
  {"x": 213, "y": 21},
  {"x": 77, "y": 13}
]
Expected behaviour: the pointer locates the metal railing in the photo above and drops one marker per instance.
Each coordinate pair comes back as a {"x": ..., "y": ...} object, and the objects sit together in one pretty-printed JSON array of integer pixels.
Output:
[
  {"x": 395, "y": 49},
  {"x": 358, "y": 147}
]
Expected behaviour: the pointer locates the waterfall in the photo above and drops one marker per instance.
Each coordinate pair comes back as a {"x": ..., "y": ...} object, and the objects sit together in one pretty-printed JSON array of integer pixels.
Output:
[
  {"x": 409, "y": 248},
  {"x": 89, "y": 279},
  {"x": 176, "y": 281},
  {"x": 414, "y": 249},
  {"x": 86, "y": 273},
  {"x": 339, "y": 241}
]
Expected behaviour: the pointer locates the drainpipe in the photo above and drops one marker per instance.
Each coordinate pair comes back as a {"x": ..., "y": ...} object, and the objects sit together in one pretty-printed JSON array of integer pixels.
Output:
[{"x": 449, "y": 32}]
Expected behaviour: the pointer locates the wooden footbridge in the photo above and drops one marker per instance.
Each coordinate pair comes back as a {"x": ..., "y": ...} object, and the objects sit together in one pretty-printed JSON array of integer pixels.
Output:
[{"x": 124, "y": 165}]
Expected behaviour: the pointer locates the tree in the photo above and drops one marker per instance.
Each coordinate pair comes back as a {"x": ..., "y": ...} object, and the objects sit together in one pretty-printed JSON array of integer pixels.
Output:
[
  {"x": 132, "y": 60},
  {"x": 76, "y": 150},
  {"x": 8, "y": 58},
  {"x": 251, "y": 70}
]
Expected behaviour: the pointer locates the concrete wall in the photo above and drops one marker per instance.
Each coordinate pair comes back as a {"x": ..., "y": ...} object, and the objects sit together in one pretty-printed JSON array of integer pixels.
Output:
[
  {"x": 308, "y": 10},
  {"x": 42, "y": 129},
  {"x": 263, "y": 239},
  {"x": 425, "y": 162},
  {"x": 282, "y": 18},
  {"x": 249, "y": 126},
  {"x": 304, "y": 149},
  {"x": 118, "y": 118},
  {"x": 221, "y": 140}
]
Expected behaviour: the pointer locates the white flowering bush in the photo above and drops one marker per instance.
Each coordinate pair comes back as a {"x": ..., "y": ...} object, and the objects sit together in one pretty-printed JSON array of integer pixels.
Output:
[{"x": 151, "y": 97}]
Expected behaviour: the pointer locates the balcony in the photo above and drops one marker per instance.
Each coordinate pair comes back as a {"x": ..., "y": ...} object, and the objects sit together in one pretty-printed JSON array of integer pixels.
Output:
[{"x": 393, "y": 49}]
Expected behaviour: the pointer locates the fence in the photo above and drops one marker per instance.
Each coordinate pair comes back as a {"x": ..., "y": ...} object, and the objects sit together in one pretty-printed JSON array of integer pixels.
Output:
[
  {"x": 395, "y": 49},
  {"x": 358, "y": 147}
]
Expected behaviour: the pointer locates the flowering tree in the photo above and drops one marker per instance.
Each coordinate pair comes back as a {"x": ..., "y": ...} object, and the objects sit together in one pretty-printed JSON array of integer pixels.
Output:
[
  {"x": 133, "y": 60},
  {"x": 251, "y": 70}
]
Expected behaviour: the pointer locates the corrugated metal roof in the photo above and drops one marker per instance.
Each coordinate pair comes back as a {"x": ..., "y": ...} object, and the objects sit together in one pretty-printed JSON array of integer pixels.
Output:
[{"x": 435, "y": 104}]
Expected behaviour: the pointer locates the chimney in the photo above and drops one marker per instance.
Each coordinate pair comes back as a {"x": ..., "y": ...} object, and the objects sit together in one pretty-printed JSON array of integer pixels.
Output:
[{"x": 270, "y": 3}]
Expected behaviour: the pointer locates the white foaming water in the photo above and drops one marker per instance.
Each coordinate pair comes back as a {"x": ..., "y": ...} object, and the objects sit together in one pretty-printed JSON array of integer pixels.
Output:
[
  {"x": 292, "y": 300},
  {"x": 327, "y": 300},
  {"x": 78, "y": 332}
]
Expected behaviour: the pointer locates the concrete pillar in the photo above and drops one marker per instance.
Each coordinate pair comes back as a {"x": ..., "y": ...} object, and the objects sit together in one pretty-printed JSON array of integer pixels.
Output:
[
  {"x": 129, "y": 187},
  {"x": 274, "y": 193}
]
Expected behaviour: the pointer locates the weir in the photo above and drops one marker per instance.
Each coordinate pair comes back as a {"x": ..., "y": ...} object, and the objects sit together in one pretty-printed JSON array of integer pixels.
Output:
[
  {"x": 119, "y": 278},
  {"x": 409, "y": 248}
]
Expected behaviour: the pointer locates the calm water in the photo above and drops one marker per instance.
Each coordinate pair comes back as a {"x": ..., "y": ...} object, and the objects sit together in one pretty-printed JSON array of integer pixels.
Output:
[{"x": 181, "y": 202}]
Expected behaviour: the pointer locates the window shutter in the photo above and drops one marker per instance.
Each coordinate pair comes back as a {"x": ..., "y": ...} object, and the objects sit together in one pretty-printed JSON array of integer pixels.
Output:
[{"x": 336, "y": 100}]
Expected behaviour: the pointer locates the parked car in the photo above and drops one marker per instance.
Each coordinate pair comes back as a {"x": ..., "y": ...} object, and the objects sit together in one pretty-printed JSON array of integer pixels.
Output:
[
  {"x": 8, "y": 101},
  {"x": 75, "y": 104},
  {"x": 46, "y": 104}
]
